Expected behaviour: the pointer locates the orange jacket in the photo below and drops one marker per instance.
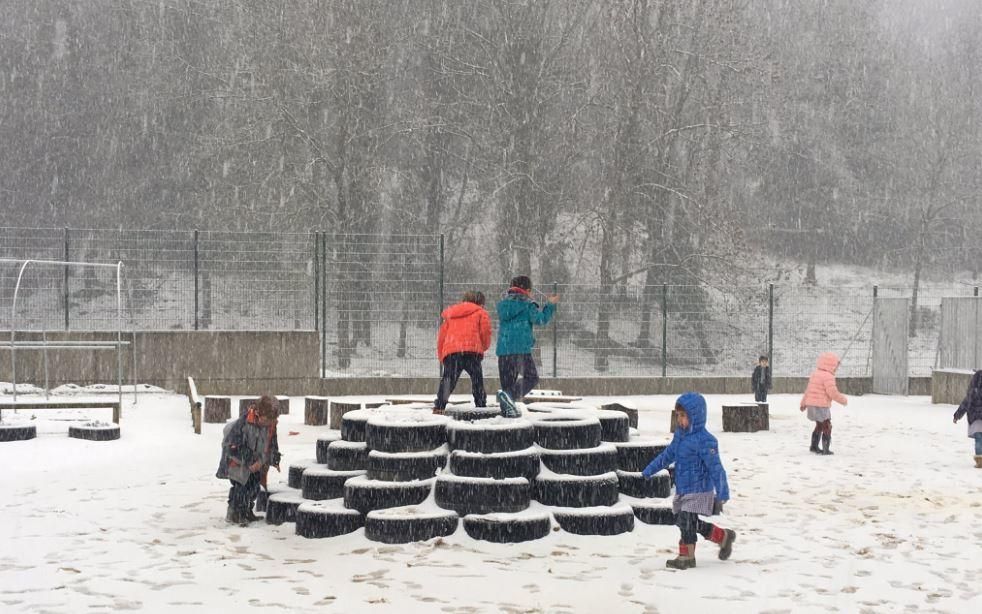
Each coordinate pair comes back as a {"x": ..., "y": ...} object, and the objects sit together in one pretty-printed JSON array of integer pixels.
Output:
[
  {"x": 821, "y": 389},
  {"x": 466, "y": 328}
]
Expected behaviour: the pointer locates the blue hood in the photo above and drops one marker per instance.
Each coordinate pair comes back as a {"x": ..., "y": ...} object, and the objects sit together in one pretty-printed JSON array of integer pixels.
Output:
[{"x": 694, "y": 404}]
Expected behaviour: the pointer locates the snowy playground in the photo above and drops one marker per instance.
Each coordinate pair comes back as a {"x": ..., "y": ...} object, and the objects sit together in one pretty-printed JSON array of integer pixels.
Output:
[{"x": 889, "y": 523}]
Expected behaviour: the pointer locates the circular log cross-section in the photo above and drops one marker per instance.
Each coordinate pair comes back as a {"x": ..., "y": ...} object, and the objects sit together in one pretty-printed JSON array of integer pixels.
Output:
[
  {"x": 315, "y": 411},
  {"x": 748, "y": 418},
  {"x": 217, "y": 409}
]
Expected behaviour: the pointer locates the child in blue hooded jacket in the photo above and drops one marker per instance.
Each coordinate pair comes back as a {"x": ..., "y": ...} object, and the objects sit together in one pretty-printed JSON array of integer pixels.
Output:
[{"x": 700, "y": 481}]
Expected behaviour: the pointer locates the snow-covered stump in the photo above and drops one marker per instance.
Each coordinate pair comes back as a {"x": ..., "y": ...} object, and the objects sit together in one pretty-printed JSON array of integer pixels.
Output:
[
  {"x": 218, "y": 409},
  {"x": 469, "y": 414},
  {"x": 338, "y": 409},
  {"x": 315, "y": 411},
  {"x": 294, "y": 474},
  {"x": 403, "y": 525},
  {"x": 245, "y": 403},
  {"x": 319, "y": 519},
  {"x": 746, "y": 418},
  {"x": 347, "y": 455},
  {"x": 413, "y": 431},
  {"x": 527, "y": 525},
  {"x": 283, "y": 405},
  {"x": 94, "y": 431},
  {"x": 467, "y": 495},
  {"x": 323, "y": 443},
  {"x": 612, "y": 520},
  {"x": 566, "y": 431},
  {"x": 282, "y": 506},
  {"x": 16, "y": 432},
  {"x": 631, "y": 412},
  {"x": 353, "y": 425}
]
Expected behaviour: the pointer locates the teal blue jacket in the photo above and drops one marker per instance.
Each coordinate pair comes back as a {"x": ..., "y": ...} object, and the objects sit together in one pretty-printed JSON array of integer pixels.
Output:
[{"x": 516, "y": 315}]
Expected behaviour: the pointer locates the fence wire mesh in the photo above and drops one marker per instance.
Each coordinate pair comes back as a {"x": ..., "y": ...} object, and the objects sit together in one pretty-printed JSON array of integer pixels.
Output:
[{"x": 376, "y": 300}]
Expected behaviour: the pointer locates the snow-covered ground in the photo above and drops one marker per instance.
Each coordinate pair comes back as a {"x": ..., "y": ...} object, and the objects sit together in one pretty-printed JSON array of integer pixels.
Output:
[{"x": 890, "y": 523}]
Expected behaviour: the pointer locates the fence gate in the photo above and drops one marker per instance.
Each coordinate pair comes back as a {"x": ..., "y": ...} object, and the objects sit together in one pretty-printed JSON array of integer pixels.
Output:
[
  {"x": 891, "y": 321},
  {"x": 960, "y": 344}
]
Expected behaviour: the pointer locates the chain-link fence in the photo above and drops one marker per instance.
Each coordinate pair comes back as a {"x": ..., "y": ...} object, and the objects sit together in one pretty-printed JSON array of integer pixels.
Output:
[{"x": 376, "y": 302}]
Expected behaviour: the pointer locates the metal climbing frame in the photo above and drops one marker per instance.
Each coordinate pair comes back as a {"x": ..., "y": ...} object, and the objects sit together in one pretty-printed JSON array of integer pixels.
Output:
[{"x": 118, "y": 344}]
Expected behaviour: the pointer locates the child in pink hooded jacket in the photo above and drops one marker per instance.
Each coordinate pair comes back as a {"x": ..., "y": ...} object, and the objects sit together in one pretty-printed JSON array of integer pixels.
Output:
[{"x": 818, "y": 397}]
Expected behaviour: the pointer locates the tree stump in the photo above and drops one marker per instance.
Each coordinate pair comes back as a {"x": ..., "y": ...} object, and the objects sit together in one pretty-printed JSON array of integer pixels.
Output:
[
  {"x": 315, "y": 411},
  {"x": 746, "y": 418},
  {"x": 337, "y": 410},
  {"x": 283, "y": 404},
  {"x": 245, "y": 403},
  {"x": 217, "y": 409},
  {"x": 632, "y": 413}
]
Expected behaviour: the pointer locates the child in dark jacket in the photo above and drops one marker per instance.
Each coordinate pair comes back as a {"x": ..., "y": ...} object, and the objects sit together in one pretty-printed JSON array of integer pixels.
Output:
[
  {"x": 701, "y": 488},
  {"x": 464, "y": 337},
  {"x": 249, "y": 449},
  {"x": 972, "y": 405},
  {"x": 760, "y": 381},
  {"x": 517, "y": 313}
]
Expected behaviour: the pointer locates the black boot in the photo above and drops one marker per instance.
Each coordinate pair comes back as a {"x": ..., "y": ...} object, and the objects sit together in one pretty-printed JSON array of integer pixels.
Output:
[
  {"x": 247, "y": 514},
  {"x": 814, "y": 446},
  {"x": 232, "y": 515},
  {"x": 826, "y": 442}
]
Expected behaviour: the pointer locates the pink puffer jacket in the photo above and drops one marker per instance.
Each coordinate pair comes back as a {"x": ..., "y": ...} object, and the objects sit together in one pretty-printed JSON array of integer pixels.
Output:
[{"x": 821, "y": 390}]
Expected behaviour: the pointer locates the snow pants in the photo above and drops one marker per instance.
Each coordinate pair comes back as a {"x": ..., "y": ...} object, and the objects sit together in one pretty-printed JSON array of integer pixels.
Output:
[{"x": 513, "y": 365}]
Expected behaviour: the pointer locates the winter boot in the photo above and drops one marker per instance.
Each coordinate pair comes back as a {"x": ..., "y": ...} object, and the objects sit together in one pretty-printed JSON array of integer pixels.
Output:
[
  {"x": 978, "y": 461},
  {"x": 686, "y": 558},
  {"x": 232, "y": 515},
  {"x": 814, "y": 446},
  {"x": 508, "y": 409},
  {"x": 725, "y": 539},
  {"x": 247, "y": 514},
  {"x": 826, "y": 442}
]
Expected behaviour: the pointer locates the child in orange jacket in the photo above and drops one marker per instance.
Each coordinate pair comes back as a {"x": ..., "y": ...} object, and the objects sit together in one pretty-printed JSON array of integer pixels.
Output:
[
  {"x": 464, "y": 337},
  {"x": 817, "y": 400}
]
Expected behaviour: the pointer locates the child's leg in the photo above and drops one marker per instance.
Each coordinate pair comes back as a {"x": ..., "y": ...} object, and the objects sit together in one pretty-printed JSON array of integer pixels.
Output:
[
  {"x": 472, "y": 365},
  {"x": 978, "y": 444},
  {"x": 826, "y": 436},
  {"x": 718, "y": 535},
  {"x": 688, "y": 524},
  {"x": 448, "y": 381},
  {"x": 508, "y": 367},
  {"x": 530, "y": 376}
]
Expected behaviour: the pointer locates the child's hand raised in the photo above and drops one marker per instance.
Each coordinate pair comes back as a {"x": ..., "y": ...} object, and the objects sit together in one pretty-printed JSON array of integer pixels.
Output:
[{"x": 553, "y": 298}]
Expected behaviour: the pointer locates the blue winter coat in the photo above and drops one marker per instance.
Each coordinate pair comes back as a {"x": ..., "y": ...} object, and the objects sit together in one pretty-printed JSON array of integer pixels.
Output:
[
  {"x": 972, "y": 403},
  {"x": 695, "y": 453},
  {"x": 516, "y": 315}
]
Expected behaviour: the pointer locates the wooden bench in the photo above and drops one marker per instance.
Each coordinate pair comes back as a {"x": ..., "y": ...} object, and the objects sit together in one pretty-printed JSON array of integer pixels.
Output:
[{"x": 114, "y": 405}]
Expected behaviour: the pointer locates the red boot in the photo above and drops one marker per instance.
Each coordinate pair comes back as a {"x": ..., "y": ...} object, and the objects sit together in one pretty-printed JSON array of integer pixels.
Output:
[
  {"x": 725, "y": 539},
  {"x": 686, "y": 558}
]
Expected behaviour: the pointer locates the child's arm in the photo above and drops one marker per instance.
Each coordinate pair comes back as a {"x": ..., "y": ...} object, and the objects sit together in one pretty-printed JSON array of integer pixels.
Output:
[
  {"x": 833, "y": 391},
  {"x": 710, "y": 457},
  {"x": 541, "y": 318},
  {"x": 484, "y": 330},
  {"x": 666, "y": 458}
]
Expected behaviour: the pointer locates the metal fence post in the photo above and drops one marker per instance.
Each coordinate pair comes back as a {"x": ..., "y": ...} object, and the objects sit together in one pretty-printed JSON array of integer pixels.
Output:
[
  {"x": 195, "y": 280},
  {"x": 439, "y": 307},
  {"x": 66, "y": 280},
  {"x": 555, "y": 336},
  {"x": 770, "y": 326},
  {"x": 323, "y": 302},
  {"x": 317, "y": 281},
  {"x": 664, "y": 330}
]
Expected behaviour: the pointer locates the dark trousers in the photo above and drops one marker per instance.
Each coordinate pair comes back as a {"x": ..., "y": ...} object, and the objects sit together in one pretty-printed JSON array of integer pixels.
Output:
[
  {"x": 513, "y": 365},
  {"x": 823, "y": 428},
  {"x": 691, "y": 525},
  {"x": 243, "y": 496},
  {"x": 760, "y": 396},
  {"x": 453, "y": 366}
]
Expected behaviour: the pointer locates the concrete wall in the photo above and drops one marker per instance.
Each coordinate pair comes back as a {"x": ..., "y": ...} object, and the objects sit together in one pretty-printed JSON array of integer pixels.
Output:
[
  {"x": 248, "y": 362},
  {"x": 949, "y": 385},
  {"x": 285, "y": 362}
]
